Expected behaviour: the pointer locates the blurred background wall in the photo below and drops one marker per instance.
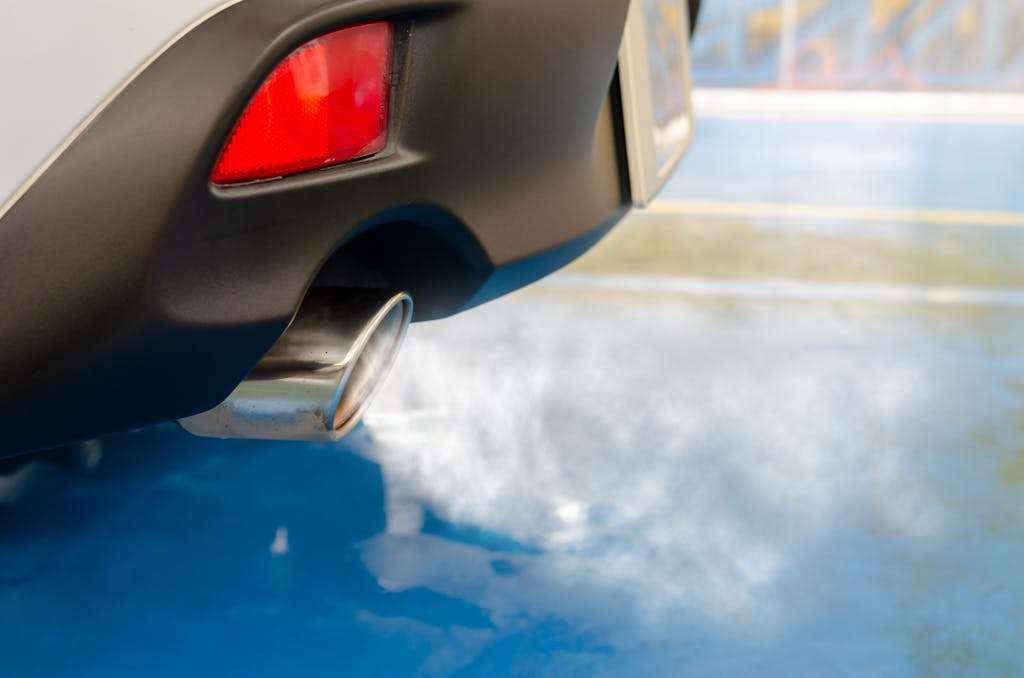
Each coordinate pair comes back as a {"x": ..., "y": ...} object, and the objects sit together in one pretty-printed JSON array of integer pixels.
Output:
[{"x": 947, "y": 45}]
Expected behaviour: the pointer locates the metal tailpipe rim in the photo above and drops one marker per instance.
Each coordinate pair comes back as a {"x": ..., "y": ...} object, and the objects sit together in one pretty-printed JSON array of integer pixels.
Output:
[{"x": 316, "y": 382}]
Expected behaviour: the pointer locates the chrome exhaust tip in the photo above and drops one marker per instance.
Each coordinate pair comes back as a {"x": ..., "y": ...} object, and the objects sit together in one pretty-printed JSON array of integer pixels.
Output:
[{"x": 318, "y": 379}]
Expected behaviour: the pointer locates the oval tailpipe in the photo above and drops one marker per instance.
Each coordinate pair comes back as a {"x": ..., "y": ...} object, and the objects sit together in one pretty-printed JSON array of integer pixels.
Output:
[{"x": 318, "y": 379}]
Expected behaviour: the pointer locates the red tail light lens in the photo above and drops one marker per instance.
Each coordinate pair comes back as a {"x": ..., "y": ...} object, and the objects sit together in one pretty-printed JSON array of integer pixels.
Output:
[{"x": 325, "y": 104}]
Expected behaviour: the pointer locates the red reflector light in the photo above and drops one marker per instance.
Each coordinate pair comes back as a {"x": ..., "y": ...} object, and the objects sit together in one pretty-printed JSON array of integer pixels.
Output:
[{"x": 325, "y": 104}]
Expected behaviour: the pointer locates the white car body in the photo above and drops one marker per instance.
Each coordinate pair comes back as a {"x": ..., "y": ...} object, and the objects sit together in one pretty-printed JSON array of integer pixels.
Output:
[{"x": 56, "y": 75}]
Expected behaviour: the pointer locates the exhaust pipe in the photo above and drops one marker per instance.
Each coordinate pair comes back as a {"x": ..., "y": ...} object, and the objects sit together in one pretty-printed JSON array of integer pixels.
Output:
[{"x": 318, "y": 379}]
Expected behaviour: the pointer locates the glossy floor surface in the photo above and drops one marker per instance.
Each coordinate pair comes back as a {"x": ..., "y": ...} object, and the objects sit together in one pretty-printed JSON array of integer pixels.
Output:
[{"x": 737, "y": 439}]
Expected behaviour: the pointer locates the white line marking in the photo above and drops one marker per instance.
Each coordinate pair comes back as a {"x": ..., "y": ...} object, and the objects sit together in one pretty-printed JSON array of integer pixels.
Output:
[
  {"x": 960, "y": 107},
  {"x": 787, "y": 290},
  {"x": 950, "y": 217}
]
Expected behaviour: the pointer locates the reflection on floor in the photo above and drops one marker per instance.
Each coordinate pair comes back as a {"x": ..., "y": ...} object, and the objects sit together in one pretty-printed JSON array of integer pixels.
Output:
[{"x": 729, "y": 442}]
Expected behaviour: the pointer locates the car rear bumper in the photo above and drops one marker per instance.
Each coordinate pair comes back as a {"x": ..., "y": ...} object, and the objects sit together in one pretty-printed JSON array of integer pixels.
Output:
[{"x": 137, "y": 292}]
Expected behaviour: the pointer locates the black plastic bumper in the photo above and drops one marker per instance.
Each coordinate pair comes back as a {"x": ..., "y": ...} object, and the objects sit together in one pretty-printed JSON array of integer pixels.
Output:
[{"x": 134, "y": 291}]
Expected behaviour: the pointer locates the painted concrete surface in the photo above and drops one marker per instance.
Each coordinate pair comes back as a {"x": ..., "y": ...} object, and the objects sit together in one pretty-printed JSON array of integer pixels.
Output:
[{"x": 733, "y": 440}]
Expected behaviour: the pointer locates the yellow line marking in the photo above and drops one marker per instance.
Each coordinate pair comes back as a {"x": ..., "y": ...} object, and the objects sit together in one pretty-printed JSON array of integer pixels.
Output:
[
  {"x": 797, "y": 290},
  {"x": 942, "y": 217}
]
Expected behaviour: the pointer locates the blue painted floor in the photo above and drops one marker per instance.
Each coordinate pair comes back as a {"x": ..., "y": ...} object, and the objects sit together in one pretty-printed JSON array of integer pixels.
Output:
[
  {"x": 626, "y": 470},
  {"x": 900, "y": 163}
]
